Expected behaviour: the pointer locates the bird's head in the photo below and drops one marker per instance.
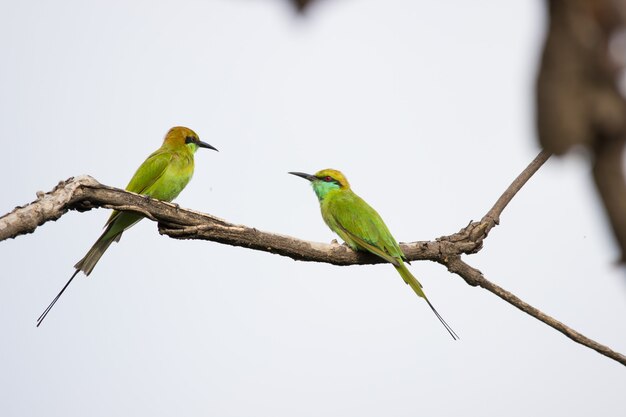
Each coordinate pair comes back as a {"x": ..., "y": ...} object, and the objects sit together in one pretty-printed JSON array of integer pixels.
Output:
[
  {"x": 325, "y": 181},
  {"x": 179, "y": 136}
]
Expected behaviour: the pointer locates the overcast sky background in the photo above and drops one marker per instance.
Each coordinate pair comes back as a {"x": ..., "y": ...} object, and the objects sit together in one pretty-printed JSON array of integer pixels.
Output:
[{"x": 427, "y": 107}]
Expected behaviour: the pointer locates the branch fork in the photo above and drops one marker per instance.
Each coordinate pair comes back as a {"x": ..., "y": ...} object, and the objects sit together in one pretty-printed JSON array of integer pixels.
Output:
[{"x": 85, "y": 193}]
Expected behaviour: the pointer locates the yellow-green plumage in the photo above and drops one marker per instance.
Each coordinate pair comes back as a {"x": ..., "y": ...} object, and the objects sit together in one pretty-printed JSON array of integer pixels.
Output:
[
  {"x": 360, "y": 226},
  {"x": 163, "y": 175}
]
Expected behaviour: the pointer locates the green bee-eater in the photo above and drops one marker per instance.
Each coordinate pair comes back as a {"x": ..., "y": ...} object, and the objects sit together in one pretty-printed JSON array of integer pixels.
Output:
[
  {"x": 360, "y": 226},
  {"x": 162, "y": 176}
]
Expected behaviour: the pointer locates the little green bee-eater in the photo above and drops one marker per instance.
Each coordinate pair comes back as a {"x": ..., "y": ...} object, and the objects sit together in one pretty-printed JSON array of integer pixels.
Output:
[
  {"x": 162, "y": 176},
  {"x": 360, "y": 226}
]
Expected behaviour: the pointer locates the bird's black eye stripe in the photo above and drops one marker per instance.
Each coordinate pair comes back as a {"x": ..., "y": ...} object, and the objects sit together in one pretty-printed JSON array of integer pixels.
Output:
[{"x": 190, "y": 139}]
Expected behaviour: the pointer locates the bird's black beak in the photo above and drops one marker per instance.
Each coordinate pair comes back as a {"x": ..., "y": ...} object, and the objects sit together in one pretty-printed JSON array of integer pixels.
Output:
[
  {"x": 303, "y": 175},
  {"x": 205, "y": 145}
]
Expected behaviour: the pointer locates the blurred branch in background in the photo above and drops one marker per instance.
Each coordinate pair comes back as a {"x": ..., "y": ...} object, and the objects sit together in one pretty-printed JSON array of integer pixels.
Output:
[
  {"x": 578, "y": 98},
  {"x": 84, "y": 193},
  {"x": 301, "y": 5}
]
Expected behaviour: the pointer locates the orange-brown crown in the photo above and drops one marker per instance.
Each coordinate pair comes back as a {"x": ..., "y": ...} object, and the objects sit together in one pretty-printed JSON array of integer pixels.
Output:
[{"x": 177, "y": 136}]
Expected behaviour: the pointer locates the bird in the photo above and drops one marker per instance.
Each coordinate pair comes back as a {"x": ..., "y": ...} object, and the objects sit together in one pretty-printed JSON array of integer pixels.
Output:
[
  {"x": 162, "y": 176},
  {"x": 361, "y": 227}
]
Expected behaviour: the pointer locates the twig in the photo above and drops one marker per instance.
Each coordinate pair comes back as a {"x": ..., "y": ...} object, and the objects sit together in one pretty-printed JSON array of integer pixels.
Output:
[
  {"x": 474, "y": 276},
  {"x": 516, "y": 185}
]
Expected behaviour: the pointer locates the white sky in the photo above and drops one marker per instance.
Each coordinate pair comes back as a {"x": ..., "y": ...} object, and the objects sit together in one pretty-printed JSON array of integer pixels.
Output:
[{"x": 425, "y": 106}]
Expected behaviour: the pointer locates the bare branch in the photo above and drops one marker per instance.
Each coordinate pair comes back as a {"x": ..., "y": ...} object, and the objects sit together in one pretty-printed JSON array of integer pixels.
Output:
[
  {"x": 475, "y": 277},
  {"x": 49, "y": 206},
  {"x": 84, "y": 193},
  {"x": 507, "y": 196}
]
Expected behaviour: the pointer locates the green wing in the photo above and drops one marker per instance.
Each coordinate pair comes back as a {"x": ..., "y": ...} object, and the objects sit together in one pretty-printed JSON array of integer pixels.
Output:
[
  {"x": 360, "y": 225},
  {"x": 149, "y": 172},
  {"x": 146, "y": 175},
  {"x": 361, "y": 243}
]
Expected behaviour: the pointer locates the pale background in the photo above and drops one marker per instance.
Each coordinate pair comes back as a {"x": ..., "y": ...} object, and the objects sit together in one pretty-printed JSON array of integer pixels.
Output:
[{"x": 427, "y": 107}]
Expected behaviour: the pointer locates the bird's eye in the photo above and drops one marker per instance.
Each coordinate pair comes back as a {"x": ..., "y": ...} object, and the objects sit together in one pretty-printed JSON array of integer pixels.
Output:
[
  {"x": 327, "y": 179},
  {"x": 190, "y": 139}
]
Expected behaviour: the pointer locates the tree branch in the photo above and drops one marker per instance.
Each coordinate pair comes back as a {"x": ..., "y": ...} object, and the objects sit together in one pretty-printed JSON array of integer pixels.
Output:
[
  {"x": 475, "y": 277},
  {"x": 506, "y": 197},
  {"x": 84, "y": 193}
]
